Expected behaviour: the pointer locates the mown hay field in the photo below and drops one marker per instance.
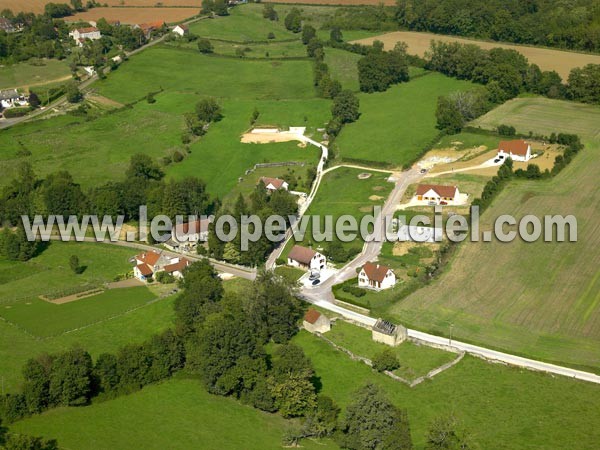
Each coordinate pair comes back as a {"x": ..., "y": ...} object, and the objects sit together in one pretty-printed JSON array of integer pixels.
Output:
[
  {"x": 136, "y": 15},
  {"x": 543, "y": 115},
  {"x": 37, "y": 6},
  {"x": 418, "y": 43},
  {"x": 540, "y": 299}
]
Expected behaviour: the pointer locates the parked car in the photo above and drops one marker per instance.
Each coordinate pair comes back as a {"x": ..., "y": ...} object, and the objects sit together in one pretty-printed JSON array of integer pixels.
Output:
[
  {"x": 423, "y": 170},
  {"x": 314, "y": 283},
  {"x": 496, "y": 160},
  {"x": 443, "y": 203}
]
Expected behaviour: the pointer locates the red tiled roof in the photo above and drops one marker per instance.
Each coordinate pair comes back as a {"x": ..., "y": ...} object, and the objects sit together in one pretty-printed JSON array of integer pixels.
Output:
[
  {"x": 144, "y": 269},
  {"x": 516, "y": 147},
  {"x": 442, "y": 191},
  {"x": 178, "y": 266},
  {"x": 375, "y": 271},
  {"x": 87, "y": 30},
  {"x": 312, "y": 315},
  {"x": 302, "y": 254},
  {"x": 150, "y": 258},
  {"x": 276, "y": 182}
]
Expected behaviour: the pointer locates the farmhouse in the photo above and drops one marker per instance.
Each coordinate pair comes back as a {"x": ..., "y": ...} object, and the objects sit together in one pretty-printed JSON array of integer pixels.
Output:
[
  {"x": 11, "y": 98},
  {"x": 181, "y": 30},
  {"x": 149, "y": 28},
  {"x": 152, "y": 262},
  {"x": 440, "y": 195},
  {"x": 81, "y": 34},
  {"x": 376, "y": 276},
  {"x": 517, "y": 150},
  {"x": 306, "y": 258},
  {"x": 185, "y": 236},
  {"x": 274, "y": 184},
  {"x": 315, "y": 322},
  {"x": 388, "y": 333}
]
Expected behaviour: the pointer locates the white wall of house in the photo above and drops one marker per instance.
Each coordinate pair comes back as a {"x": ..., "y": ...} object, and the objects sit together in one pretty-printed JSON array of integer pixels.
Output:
[
  {"x": 317, "y": 262},
  {"x": 520, "y": 158},
  {"x": 388, "y": 282},
  {"x": 180, "y": 31},
  {"x": 433, "y": 196}
]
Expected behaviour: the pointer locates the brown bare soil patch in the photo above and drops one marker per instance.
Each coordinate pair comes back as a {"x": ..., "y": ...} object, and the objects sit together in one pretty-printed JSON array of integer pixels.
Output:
[
  {"x": 547, "y": 59},
  {"x": 128, "y": 283},
  {"x": 105, "y": 101},
  {"x": 268, "y": 138},
  {"x": 402, "y": 248},
  {"x": 135, "y": 15},
  {"x": 378, "y": 188},
  {"x": 375, "y": 198},
  {"x": 340, "y": 2},
  {"x": 74, "y": 297},
  {"x": 37, "y": 6}
]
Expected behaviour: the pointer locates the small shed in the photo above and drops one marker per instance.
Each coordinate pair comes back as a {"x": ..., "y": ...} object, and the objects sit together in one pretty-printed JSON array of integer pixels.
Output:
[
  {"x": 388, "y": 333},
  {"x": 315, "y": 322}
]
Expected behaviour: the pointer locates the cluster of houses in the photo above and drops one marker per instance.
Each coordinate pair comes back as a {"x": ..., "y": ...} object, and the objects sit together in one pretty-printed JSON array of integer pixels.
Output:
[
  {"x": 92, "y": 33},
  {"x": 185, "y": 237},
  {"x": 149, "y": 263},
  {"x": 7, "y": 26},
  {"x": 371, "y": 276}
]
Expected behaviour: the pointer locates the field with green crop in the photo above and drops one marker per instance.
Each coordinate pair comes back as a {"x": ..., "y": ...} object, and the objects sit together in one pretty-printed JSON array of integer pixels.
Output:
[
  {"x": 189, "y": 418},
  {"x": 396, "y": 125},
  {"x": 539, "y": 299},
  {"x": 340, "y": 193},
  {"x": 35, "y": 72}
]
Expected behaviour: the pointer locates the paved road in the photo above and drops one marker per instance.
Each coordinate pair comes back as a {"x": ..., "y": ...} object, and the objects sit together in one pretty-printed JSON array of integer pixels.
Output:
[{"x": 482, "y": 352}]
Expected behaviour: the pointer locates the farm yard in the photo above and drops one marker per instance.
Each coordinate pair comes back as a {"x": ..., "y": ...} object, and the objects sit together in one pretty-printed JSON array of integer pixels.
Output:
[
  {"x": 397, "y": 125},
  {"x": 548, "y": 59}
]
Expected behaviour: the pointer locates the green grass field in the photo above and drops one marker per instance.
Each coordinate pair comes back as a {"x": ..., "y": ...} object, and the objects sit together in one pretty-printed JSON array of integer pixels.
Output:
[
  {"x": 281, "y": 91},
  {"x": 343, "y": 67},
  {"x": 44, "y": 319},
  {"x": 415, "y": 360},
  {"x": 502, "y": 407},
  {"x": 189, "y": 418},
  {"x": 545, "y": 116},
  {"x": 539, "y": 299},
  {"x": 340, "y": 193},
  {"x": 35, "y": 72},
  {"x": 244, "y": 24},
  {"x": 396, "y": 125}
]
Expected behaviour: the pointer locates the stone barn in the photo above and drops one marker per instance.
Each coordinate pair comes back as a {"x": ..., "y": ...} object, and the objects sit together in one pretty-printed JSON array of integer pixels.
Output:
[
  {"x": 315, "y": 322},
  {"x": 388, "y": 333}
]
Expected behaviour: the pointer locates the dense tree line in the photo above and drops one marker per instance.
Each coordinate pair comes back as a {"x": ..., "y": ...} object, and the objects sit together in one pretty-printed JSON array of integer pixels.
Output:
[
  {"x": 571, "y": 25},
  {"x": 584, "y": 84},
  {"x": 13, "y": 441},
  {"x": 378, "y": 69},
  {"x": 59, "y": 194},
  {"x": 263, "y": 204}
]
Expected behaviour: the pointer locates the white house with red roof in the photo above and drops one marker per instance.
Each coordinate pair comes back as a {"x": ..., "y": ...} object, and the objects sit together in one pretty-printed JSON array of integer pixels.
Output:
[
  {"x": 376, "y": 276},
  {"x": 306, "y": 258},
  {"x": 186, "y": 236},
  {"x": 274, "y": 184},
  {"x": 438, "y": 194},
  {"x": 81, "y": 34},
  {"x": 149, "y": 263},
  {"x": 517, "y": 150}
]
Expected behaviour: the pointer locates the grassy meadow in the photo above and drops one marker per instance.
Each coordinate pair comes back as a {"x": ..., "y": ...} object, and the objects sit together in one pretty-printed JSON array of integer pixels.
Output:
[
  {"x": 396, "y": 125},
  {"x": 341, "y": 193},
  {"x": 189, "y": 418},
  {"x": 35, "y": 72},
  {"x": 539, "y": 299},
  {"x": 502, "y": 407}
]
